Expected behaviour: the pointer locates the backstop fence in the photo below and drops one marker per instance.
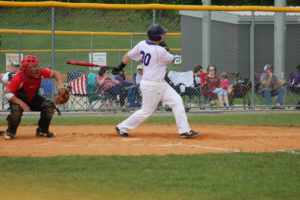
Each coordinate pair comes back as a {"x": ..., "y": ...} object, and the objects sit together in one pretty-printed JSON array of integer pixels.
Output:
[{"x": 237, "y": 40}]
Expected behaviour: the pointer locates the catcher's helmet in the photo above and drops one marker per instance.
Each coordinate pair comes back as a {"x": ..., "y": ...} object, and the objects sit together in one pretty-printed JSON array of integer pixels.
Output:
[
  {"x": 155, "y": 32},
  {"x": 27, "y": 63}
]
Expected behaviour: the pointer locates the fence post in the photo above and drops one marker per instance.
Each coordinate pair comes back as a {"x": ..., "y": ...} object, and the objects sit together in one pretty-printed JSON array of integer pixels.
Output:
[
  {"x": 279, "y": 40},
  {"x": 92, "y": 59},
  {"x": 154, "y": 16},
  {"x": 206, "y": 32},
  {"x": 19, "y": 36},
  {"x": 131, "y": 46},
  {"x": 53, "y": 48},
  {"x": 252, "y": 59}
]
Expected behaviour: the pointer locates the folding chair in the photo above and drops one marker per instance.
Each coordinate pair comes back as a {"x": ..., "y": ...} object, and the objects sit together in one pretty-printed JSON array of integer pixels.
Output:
[
  {"x": 77, "y": 81},
  {"x": 240, "y": 89},
  {"x": 184, "y": 85}
]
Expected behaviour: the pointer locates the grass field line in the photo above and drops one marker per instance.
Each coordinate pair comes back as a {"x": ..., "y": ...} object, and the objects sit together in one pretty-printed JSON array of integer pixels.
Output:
[
  {"x": 267, "y": 135},
  {"x": 197, "y": 146},
  {"x": 138, "y": 144}
]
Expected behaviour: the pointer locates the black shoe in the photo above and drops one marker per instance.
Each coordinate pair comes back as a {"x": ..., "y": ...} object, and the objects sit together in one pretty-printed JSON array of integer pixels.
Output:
[
  {"x": 121, "y": 133},
  {"x": 40, "y": 133},
  {"x": 9, "y": 136},
  {"x": 189, "y": 134},
  {"x": 2, "y": 132}
]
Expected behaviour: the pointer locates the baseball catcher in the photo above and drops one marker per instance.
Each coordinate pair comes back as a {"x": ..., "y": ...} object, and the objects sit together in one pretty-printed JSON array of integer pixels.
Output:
[{"x": 22, "y": 94}]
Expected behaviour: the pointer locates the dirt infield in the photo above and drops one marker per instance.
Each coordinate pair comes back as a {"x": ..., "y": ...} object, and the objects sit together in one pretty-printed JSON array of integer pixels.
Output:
[{"x": 149, "y": 139}]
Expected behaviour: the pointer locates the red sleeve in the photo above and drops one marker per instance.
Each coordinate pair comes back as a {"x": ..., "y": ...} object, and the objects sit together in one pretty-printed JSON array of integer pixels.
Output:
[
  {"x": 45, "y": 73},
  {"x": 14, "y": 84}
]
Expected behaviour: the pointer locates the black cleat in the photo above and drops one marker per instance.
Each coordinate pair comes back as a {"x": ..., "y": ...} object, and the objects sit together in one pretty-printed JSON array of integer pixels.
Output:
[
  {"x": 9, "y": 136},
  {"x": 189, "y": 134},
  {"x": 2, "y": 132},
  {"x": 121, "y": 133},
  {"x": 40, "y": 133}
]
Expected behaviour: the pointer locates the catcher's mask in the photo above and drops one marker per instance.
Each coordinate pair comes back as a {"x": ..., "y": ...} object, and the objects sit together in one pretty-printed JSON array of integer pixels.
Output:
[
  {"x": 155, "y": 32},
  {"x": 30, "y": 65}
]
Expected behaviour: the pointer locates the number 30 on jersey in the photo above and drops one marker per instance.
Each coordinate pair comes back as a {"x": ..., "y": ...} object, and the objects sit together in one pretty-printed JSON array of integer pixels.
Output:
[{"x": 145, "y": 58}]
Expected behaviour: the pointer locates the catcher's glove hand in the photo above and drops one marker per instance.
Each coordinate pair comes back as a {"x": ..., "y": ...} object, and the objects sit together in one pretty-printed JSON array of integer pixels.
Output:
[{"x": 63, "y": 96}]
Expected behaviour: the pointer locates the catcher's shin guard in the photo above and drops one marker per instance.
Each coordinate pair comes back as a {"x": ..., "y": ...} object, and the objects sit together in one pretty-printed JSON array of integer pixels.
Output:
[
  {"x": 45, "y": 119},
  {"x": 13, "y": 120}
]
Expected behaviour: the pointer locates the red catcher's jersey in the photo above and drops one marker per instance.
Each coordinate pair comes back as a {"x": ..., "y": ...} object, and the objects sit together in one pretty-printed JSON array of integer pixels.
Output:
[{"x": 28, "y": 84}]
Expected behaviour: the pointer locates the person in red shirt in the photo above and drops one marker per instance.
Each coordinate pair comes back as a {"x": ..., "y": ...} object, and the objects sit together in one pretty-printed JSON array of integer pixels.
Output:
[
  {"x": 215, "y": 86},
  {"x": 22, "y": 94}
]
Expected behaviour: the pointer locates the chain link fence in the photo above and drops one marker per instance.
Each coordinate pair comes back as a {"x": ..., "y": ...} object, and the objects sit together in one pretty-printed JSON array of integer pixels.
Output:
[{"x": 103, "y": 36}]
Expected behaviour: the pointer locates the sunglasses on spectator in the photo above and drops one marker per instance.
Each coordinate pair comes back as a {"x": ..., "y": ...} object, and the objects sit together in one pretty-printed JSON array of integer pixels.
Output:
[{"x": 212, "y": 70}]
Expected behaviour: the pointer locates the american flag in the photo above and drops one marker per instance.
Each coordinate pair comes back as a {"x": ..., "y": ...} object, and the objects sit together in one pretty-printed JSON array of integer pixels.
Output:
[{"x": 78, "y": 85}]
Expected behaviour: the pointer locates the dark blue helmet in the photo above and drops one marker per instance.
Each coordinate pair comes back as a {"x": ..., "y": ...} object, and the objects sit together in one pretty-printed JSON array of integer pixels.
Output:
[{"x": 155, "y": 32}]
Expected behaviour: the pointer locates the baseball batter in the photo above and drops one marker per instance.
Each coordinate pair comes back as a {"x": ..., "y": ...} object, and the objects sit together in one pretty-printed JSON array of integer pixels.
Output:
[{"x": 154, "y": 88}]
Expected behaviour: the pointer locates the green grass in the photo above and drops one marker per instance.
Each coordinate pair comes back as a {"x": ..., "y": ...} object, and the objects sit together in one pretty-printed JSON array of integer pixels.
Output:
[
  {"x": 272, "y": 119},
  {"x": 208, "y": 176}
]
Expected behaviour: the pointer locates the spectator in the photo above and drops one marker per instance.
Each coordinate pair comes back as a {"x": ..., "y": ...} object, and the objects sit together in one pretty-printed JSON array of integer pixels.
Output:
[
  {"x": 197, "y": 90},
  {"x": 121, "y": 77},
  {"x": 134, "y": 96},
  {"x": 9, "y": 75},
  {"x": 270, "y": 85},
  {"x": 198, "y": 70},
  {"x": 139, "y": 74},
  {"x": 296, "y": 82},
  {"x": 214, "y": 85},
  {"x": 296, "y": 85},
  {"x": 111, "y": 86}
]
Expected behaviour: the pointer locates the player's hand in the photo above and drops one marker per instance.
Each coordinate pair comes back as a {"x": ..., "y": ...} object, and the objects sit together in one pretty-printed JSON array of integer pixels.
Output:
[
  {"x": 164, "y": 45},
  {"x": 25, "y": 107},
  {"x": 116, "y": 70}
]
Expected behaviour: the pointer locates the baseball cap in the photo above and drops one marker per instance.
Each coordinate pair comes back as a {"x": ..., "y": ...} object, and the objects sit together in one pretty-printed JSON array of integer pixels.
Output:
[
  {"x": 267, "y": 66},
  {"x": 139, "y": 67}
]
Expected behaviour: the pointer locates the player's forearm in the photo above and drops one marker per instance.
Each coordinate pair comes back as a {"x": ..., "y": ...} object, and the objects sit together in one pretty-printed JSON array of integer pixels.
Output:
[
  {"x": 58, "y": 78},
  {"x": 126, "y": 59}
]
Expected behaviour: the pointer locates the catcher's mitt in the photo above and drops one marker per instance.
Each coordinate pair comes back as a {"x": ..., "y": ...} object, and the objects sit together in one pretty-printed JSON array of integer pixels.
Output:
[{"x": 63, "y": 96}]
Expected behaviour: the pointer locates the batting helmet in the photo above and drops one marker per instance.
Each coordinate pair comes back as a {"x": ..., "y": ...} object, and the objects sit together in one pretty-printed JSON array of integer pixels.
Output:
[
  {"x": 27, "y": 63},
  {"x": 155, "y": 32}
]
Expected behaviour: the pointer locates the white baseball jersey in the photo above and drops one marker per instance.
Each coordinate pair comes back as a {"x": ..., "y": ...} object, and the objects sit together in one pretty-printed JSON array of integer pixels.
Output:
[{"x": 154, "y": 58}]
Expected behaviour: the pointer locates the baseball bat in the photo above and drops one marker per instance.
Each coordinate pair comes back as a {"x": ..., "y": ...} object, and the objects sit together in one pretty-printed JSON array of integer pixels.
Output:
[{"x": 87, "y": 64}]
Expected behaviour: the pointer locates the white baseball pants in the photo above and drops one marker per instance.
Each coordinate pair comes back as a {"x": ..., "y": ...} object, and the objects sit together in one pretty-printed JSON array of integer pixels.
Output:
[{"x": 152, "y": 93}]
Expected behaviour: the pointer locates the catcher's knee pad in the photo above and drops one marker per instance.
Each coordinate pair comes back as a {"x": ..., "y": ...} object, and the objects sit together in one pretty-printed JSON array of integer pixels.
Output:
[
  {"x": 47, "y": 109},
  {"x": 46, "y": 115},
  {"x": 14, "y": 118}
]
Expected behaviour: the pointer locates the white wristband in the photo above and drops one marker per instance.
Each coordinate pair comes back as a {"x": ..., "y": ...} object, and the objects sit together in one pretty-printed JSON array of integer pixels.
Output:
[{"x": 9, "y": 95}]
